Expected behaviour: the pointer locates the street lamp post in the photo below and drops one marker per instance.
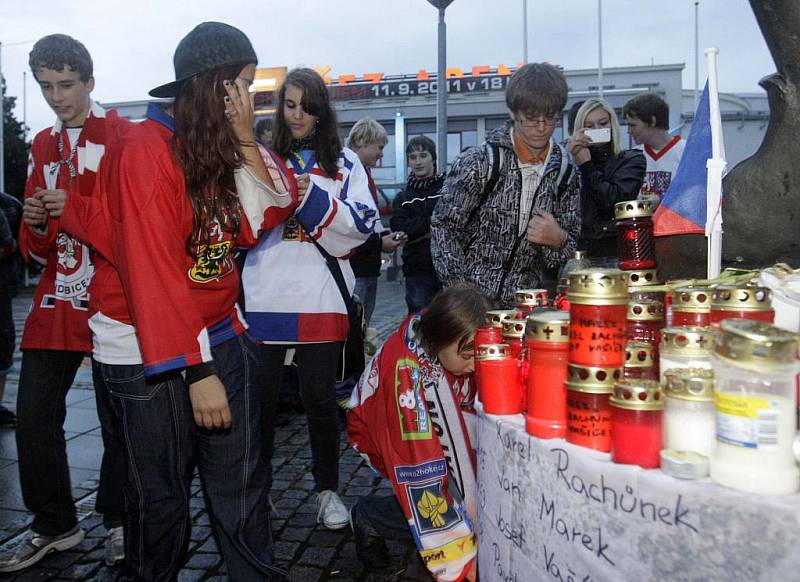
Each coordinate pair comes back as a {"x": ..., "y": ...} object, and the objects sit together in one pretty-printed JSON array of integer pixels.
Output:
[
  {"x": 525, "y": 31},
  {"x": 441, "y": 88},
  {"x": 3, "y": 118},
  {"x": 600, "y": 48}
]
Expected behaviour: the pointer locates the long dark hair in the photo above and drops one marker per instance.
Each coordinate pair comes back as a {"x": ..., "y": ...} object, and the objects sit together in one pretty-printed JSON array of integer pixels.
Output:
[
  {"x": 208, "y": 151},
  {"x": 453, "y": 316},
  {"x": 327, "y": 143}
]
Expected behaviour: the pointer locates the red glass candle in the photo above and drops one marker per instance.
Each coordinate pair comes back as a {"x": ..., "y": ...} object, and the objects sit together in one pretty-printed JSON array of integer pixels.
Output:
[
  {"x": 745, "y": 302},
  {"x": 496, "y": 317},
  {"x": 691, "y": 306},
  {"x": 488, "y": 335},
  {"x": 528, "y": 299},
  {"x": 500, "y": 390},
  {"x": 637, "y": 417},
  {"x": 514, "y": 336},
  {"x": 645, "y": 320},
  {"x": 639, "y": 362},
  {"x": 635, "y": 234},
  {"x": 588, "y": 410},
  {"x": 485, "y": 352},
  {"x": 548, "y": 349},
  {"x": 644, "y": 285},
  {"x": 598, "y": 306}
]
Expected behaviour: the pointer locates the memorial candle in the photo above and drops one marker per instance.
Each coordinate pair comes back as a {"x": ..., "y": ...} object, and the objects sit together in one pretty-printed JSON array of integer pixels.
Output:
[
  {"x": 691, "y": 306},
  {"x": 588, "y": 411},
  {"x": 548, "y": 347},
  {"x": 639, "y": 362},
  {"x": 742, "y": 301},
  {"x": 635, "y": 234},
  {"x": 642, "y": 285},
  {"x": 637, "y": 416},
  {"x": 689, "y": 423},
  {"x": 529, "y": 299},
  {"x": 598, "y": 306},
  {"x": 498, "y": 377},
  {"x": 685, "y": 347},
  {"x": 755, "y": 371}
]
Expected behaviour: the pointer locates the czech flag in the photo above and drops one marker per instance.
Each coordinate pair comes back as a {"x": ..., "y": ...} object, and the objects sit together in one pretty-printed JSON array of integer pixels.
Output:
[{"x": 683, "y": 210}]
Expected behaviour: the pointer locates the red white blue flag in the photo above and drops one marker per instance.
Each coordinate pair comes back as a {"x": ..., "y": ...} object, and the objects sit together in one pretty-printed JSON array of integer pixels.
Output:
[{"x": 683, "y": 209}]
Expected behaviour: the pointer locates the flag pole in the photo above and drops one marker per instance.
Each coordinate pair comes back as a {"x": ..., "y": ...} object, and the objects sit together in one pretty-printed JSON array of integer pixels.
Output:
[{"x": 716, "y": 168}]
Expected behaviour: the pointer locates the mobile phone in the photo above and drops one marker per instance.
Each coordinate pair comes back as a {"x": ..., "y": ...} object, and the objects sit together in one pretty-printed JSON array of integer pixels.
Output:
[
  {"x": 602, "y": 135},
  {"x": 396, "y": 236}
]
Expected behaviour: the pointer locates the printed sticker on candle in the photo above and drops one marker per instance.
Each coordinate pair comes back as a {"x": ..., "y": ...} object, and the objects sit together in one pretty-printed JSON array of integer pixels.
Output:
[
  {"x": 747, "y": 421},
  {"x": 597, "y": 342}
]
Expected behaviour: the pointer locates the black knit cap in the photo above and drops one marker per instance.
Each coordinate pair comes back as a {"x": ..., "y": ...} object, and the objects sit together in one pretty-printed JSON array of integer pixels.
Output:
[{"x": 208, "y": 47}]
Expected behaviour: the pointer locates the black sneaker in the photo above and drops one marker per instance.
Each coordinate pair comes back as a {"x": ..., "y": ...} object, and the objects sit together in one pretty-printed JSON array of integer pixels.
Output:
[
  {"x": 371, "y": 550},
  {"x": 7, "y": 418}
]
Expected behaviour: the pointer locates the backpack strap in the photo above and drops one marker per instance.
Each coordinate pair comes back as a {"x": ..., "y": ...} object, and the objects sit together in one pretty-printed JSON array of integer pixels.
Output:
[{"x": 495, "y": 166}]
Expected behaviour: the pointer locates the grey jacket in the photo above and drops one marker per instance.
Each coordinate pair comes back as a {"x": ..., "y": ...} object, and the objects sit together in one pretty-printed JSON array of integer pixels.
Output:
[{"x": 474, "y": 235}]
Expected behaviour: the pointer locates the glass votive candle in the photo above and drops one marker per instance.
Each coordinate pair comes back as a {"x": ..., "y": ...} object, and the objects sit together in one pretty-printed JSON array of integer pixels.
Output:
[
  {"x": 496, "y": 317},
  {"x": 635, "y": 234},
  {"x": 547, "y": 335},
  {"x": 529, "y": 299},
  {"x": 497, "y": 374},
  {"x": 690, "y": 417},
  {"x": 588, "y": 410},
  {"x": 637, "y": 417},
  {"x": 691, "y": 306},
  {"x": 598, "y": 307},
  {"x": 684, "y": 347},
  {"x": 741, "y": 301},
  {"x": 644, "y": 285},
  {"x": 639, "y": 362}
]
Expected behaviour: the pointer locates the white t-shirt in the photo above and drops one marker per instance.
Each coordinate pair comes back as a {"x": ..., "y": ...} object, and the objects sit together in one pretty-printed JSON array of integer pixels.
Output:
[{"x": 661, "y": 166}]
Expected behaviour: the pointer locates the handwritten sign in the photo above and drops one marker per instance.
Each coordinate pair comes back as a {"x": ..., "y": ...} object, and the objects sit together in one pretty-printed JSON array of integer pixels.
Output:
[{"x": 551, "y": 511}]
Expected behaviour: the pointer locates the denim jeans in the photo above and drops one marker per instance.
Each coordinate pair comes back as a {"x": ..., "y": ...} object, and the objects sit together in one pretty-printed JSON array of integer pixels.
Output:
[
  {"x": 382, "y": 516},
  {"x": 45, "y": 378},
  {"x": 420, "y": 290},
  {"x": 164, "y": 446},
  {"x": 316, "y": 372},
  {"x": 367, "y": 290}
]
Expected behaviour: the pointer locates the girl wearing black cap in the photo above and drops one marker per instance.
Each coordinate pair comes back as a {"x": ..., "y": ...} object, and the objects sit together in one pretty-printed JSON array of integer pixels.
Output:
[
  {"x": 292, "y": 297},
  {"x": 181, "y": 190}
]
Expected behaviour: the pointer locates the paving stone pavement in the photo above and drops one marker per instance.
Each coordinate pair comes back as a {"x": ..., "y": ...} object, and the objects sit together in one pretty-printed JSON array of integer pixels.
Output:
[{"x": 306, "y": 551}]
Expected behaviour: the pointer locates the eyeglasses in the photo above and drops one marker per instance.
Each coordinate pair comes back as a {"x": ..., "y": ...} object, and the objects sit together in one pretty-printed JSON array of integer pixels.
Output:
[{"x": 546, "y": 121}]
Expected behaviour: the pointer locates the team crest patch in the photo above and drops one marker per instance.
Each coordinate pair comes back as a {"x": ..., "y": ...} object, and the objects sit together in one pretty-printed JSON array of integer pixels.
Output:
[
  {"x": 213, "y": 262},
  {"x": 415, "y": 423},
  {"x": 430, "y": 507}
]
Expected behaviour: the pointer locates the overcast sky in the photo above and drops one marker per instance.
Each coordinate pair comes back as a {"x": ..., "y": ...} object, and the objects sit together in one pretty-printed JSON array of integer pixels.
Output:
[{"x": 132, "y": 43}]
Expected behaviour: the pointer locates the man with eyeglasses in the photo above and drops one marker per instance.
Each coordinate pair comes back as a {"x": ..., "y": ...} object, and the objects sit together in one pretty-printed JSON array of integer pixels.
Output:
[{"x": 509, "y": 215}]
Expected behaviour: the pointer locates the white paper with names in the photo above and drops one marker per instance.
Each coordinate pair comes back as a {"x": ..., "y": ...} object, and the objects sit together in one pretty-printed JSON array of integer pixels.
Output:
[{"x": 551, "y": 511}]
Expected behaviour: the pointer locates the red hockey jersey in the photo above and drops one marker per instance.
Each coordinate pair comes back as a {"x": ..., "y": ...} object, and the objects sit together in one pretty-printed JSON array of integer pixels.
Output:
[
  {"x": 152, "y": 301},
  {"x": 408, "y": 418},
  {"x": 58, "y": 317}
]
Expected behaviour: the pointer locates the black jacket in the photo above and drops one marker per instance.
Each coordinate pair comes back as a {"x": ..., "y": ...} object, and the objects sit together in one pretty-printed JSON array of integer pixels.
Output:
[
  {"x": 10, "y": 265},
  {"x": 605, "y": 180},
  {"x": 412, "y": 214}
]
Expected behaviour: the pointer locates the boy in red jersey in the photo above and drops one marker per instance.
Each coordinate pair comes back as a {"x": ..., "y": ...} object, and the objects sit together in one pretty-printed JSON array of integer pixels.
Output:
[{"x": 56, "y": 335}]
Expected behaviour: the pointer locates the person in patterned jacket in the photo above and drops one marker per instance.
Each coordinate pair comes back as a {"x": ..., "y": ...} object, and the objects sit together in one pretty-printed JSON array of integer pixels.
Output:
[
  {"x": 418, "y": 383},
  {"x": 510, "y": 211},
  {"x": 63, "y": 159}
]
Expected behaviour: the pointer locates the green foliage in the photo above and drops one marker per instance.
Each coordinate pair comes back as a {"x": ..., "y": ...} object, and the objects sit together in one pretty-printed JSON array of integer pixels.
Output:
[{"x": 15, "y": 148}]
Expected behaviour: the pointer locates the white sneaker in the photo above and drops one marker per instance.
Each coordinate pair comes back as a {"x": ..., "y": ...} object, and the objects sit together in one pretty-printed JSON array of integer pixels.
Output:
[
  {"x": 332, "y": 512},
  {"x": 115, "y": 546},
  {"x": 33, "y": 547}
]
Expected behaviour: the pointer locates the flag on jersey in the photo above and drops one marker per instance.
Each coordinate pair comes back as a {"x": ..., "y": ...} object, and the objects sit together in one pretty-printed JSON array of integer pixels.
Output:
[{"x": 683, "y": 209}]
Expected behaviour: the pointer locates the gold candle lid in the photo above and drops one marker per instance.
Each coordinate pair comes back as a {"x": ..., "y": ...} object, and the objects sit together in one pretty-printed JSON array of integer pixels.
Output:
[
  {"x": 548, "y": 326},
  {"x": 638, "y": 395},
  {"x": 755, "y": 345},
  {"x": 690, "y": 384},
  {"x": 598, "y": 287},
  {"x": 633, "y": 209},
  {"x": 514, "y": 328},
  {"x": 693, "y": 299},
  {"x": 642, "y": 278},
  {"x": 492, "y": 351},
  {"x": 592, "y": 380},
  {"x": 495, "y": 317},
  {"x": 741, "y": 298},
  {"x": 639, "y": 355},
  {"x": 687, "y": 340},
  {"x": 530, "y": 297},
  {"x": 645, "y": 311}
]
